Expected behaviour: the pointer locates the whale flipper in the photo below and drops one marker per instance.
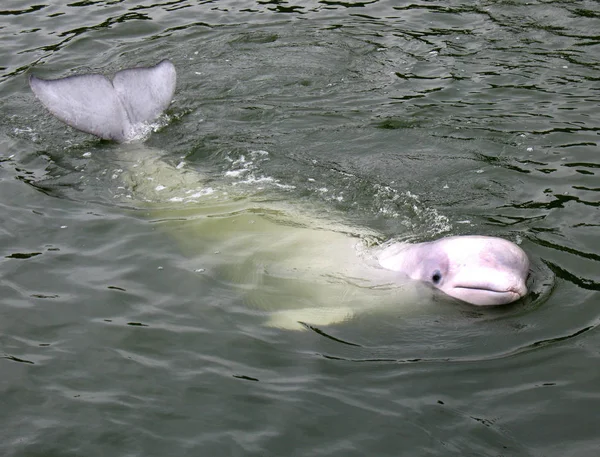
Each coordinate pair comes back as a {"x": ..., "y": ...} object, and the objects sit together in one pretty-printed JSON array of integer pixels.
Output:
[
  {"x": 297, "y": 319},
  {"x": 113, "y": 110}
]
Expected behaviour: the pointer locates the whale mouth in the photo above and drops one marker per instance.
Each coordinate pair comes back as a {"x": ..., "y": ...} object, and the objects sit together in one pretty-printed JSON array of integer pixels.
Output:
[{"x": 485, "y": 296}]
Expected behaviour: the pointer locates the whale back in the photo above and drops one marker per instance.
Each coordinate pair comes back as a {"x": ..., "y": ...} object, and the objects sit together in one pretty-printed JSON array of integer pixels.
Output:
[{"x": 114, "y": 110}]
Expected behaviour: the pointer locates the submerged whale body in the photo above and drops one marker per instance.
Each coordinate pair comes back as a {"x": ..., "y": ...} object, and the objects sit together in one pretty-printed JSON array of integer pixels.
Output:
[{"x": 479, "y": 270}]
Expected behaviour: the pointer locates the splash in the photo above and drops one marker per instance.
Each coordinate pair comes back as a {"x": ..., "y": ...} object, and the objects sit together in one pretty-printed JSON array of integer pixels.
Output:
[{"x": 246, "y": 170}]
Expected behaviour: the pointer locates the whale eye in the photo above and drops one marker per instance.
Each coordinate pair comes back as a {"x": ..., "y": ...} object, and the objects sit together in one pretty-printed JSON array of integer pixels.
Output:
[{"x": 436, "y": 277}]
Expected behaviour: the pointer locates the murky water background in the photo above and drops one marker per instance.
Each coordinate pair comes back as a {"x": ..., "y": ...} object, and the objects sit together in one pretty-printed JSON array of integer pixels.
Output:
[{"x": 124, "y": 328}]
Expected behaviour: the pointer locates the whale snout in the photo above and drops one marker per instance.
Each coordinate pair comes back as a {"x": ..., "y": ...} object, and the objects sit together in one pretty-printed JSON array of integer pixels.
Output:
[
  {"x": 489, "y": 294},
  {"x": 495, "y": 275}
]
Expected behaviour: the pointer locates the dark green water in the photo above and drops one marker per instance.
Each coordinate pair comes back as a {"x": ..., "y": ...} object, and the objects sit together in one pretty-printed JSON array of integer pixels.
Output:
[{"x": 124, "y": 331}]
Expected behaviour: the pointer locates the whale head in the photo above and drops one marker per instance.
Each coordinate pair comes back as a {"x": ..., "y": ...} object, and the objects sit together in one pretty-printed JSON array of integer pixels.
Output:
[{"x": 479, "y": 270}]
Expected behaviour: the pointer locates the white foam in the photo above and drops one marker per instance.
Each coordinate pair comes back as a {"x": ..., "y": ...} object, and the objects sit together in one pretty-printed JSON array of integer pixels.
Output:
[{"x": 235, "y": 173}]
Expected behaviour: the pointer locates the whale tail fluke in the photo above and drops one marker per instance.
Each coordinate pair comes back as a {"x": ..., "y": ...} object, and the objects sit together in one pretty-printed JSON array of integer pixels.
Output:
[{"x": 116, "y": 110}]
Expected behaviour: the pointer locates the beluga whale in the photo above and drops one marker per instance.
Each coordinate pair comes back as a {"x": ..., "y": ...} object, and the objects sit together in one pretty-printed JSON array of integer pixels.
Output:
[{"x": 479, "y": 270}]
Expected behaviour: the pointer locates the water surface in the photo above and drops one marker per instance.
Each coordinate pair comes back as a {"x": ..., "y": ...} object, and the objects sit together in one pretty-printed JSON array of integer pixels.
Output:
[{"x": 126, "y": 329}]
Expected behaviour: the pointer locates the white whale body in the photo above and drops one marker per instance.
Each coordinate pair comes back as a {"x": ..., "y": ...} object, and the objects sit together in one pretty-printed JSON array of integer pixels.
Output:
[{"x": 479, "y": 270}]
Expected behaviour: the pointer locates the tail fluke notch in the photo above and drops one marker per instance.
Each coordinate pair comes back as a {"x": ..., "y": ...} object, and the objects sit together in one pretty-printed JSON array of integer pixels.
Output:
[{"x": 114, "y": 110}]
